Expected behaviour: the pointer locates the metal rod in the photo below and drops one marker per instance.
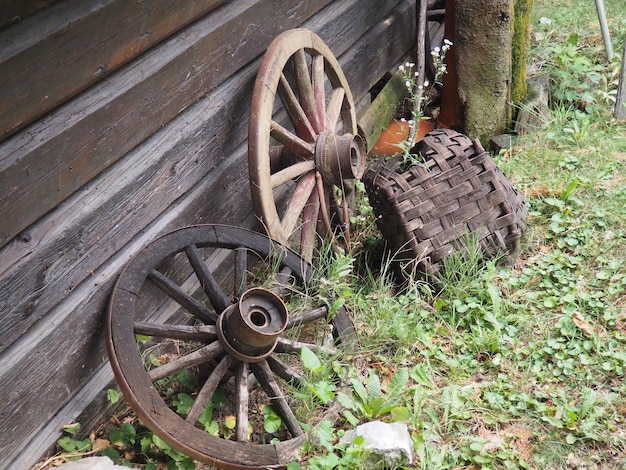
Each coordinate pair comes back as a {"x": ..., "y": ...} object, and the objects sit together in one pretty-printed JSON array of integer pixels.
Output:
[{"x": 605, "y": 29}]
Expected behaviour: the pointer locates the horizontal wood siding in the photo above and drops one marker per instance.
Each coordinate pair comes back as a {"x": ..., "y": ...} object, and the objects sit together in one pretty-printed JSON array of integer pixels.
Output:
[
  {"x": 49, "y": 58},
  {"x": 14, "y": 12},
  {"x": 43, "y": 165},
  {"x": 158, "y": 144}
]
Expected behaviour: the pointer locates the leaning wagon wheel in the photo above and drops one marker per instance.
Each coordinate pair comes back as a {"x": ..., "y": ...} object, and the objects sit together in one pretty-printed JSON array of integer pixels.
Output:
[
  {"x": 172, "y": 322},
  {"x": 303, "y": 148}
]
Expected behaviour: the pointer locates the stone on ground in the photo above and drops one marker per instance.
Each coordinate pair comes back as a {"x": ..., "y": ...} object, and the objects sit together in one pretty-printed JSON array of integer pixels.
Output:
[{"x": 390, "y": 444}]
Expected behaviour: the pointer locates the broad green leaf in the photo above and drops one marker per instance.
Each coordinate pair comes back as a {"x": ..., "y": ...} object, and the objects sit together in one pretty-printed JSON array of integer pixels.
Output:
[
  {"x": 399, "y": 381},
  {"x": 345, "y": 400},
  {"x": 310, "y": 361},
  {"x": 353, "y": 420},
  {"x": 271, "y": 421},
  {"x": 419, "y": 373},
  {"x": 230, "y": 422},
  {"x": 183, "y": 403},
  {"x": 400, "y": 413},
  {"x": 360, "y": 390},
  {"x": 71, "y": 429},
  {"x": 373, "y": 387},
  {"x": 113, "y": 396}
]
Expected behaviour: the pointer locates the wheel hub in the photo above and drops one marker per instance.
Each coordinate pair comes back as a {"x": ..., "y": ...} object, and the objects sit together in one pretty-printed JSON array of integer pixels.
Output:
[
  {"x": 339, "y": 157},
  {"x": 249, "y": 329}
]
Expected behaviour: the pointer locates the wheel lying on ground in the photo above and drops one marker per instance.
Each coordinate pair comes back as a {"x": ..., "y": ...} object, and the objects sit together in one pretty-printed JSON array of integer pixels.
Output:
[
  {"x": 304, "y": 152},
  {"x": 194, "y": 320}
]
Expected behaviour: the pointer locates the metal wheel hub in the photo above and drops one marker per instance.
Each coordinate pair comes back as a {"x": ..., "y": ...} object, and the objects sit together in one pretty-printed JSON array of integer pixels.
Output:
[
  {"x": 339, "y": 157},
  {"x": 249, "y": 329}
]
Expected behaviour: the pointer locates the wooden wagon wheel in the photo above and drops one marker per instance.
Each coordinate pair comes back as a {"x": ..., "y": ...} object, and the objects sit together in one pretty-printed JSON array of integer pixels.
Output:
[
  {"x": 303, "y": 148},
  {"x": 222, "y": 334}
]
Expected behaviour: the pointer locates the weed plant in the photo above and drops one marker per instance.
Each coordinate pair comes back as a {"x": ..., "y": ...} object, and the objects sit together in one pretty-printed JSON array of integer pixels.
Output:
[{"x": 498, "y": 367}]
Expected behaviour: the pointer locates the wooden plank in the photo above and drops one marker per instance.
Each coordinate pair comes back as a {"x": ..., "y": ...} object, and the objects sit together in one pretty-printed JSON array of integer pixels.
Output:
[
  {"x": 132, "y": 194},
  {"x": 91, "y": 395},
  {"x": 380, "y": 49},
  {"x": 382, "y": 109},
  {"x": 77, "y": 233},
  {"x": 51, "y": 57},
  {"x": 12, "y": 12},
  {"x": 51, "y": 159}
]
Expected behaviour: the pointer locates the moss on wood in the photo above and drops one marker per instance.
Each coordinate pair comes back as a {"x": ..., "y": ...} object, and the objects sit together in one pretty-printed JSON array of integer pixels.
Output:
[{"x": 520, "y": 46}]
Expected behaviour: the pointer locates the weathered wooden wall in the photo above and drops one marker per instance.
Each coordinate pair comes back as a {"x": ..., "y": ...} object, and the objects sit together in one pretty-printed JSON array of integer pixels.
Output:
[{"x": 120, "y": 121}]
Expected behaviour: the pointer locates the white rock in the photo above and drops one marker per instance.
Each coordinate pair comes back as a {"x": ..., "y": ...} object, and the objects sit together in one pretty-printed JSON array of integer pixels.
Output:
[
  {"x": 390, "y": 443},
  {"x": 92, "y": 463}
]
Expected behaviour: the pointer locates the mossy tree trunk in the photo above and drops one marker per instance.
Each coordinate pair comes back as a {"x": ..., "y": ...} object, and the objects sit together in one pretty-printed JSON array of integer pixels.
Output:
[{"x": 491, "y": 41}]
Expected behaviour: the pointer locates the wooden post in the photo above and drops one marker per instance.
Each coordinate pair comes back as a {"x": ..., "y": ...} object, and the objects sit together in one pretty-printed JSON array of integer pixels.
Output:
[{"x": 620, "y": 102}]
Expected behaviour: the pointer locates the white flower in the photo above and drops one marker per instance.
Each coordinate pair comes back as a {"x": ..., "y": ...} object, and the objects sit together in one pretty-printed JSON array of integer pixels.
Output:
[
  {"x": 426, "y": 83},
  {"x": 407, "y": 64},
  {"x": 401, "y": 68},
  {"x": 408, "y": 83},
  {"x": 417, "y": 74},
  {"x": 447, "y": 42},
  {"x": 411, "y": 64},
  {"x": 437, "y": 50},
  {"x": 402, "y": 120}
]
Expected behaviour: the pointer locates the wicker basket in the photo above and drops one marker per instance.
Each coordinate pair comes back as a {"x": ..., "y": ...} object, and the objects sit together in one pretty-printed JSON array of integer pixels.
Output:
[{"x": 427, "y": 212}]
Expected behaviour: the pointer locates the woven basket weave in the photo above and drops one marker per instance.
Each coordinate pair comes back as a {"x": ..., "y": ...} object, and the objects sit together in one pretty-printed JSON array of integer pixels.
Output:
[{"x": 429, "y": 211}]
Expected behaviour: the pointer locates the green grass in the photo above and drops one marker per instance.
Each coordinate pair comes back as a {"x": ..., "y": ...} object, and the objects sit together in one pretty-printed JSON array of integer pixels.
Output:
[
  {"x": 502, "y": 367},
  {"x": 523, "y": 366}
]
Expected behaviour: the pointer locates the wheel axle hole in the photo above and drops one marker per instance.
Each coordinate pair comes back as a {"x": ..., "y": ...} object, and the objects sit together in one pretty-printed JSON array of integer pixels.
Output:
[
  {"x": 354, "y": 156},
  {"x": 259, "y": 318}
]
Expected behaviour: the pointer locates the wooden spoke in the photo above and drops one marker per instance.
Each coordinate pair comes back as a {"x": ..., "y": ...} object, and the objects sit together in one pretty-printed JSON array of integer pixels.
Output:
[
  {"x": 297, "y": 116},
  {"x": 288, "y": 374},
  {"x": 208, "y": 389},
  {"x": 291, "y": 141},
  {"x": 292, "y": 172},
  {"x": 335, "y": 104},
  {"x": 212, "y": 289},
  {"x": 200, "y": 333},
  {"x": 187, "y": 361},
  {"x": 283, "y": 282},
  {"x": 305, "y": 87},
  {"x": 317, "y": 69},
  {"x": 265, "y": 377},
  {"x": 300, "y": 196},
  {"x": 307, "y": 317},
  {"x": 324, "y": 212},
  {"x": 174, "y": 291},
  {"x": 241, "y": 402},
  {"x": 308, "y": 234}
]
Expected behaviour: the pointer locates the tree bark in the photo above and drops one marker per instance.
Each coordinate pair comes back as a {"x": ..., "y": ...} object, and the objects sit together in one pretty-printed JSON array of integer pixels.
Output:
[{"x": 483, "y": 59}]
